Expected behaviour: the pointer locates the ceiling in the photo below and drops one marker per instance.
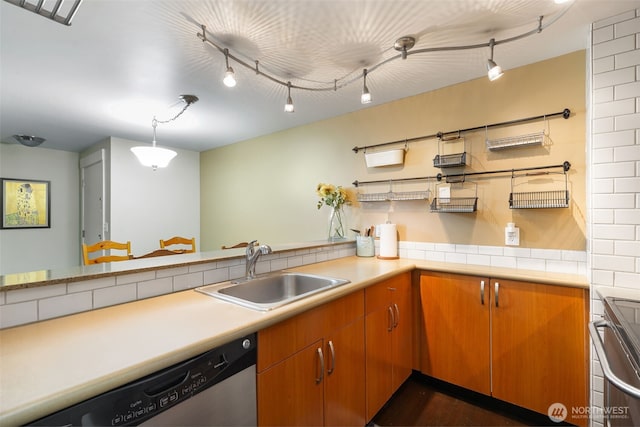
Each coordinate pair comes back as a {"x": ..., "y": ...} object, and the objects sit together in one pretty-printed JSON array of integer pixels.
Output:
[{"x": 121, "y": 62}]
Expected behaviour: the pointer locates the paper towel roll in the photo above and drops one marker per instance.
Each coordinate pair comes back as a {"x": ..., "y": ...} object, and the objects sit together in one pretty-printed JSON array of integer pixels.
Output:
[{"x": 388, "y": 241}]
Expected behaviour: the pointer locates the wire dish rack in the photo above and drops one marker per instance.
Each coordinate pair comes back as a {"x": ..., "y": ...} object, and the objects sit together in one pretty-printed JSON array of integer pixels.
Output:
[
  {"x": 539, "y": 199},
  {"x": 442, "y": 160},
  {"x": 464, "y": 201},
  {"x": 391, "y": 195},
  {"x": 515, "y": 141}
]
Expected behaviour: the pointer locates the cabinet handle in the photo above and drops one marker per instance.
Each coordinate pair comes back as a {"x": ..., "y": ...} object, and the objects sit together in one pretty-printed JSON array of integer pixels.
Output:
[
  {"x": 396, "y": 316},
  {"x": 392, "y": 319},
  {"x": 482, "y": 292},
  {"x": 496, "y": 288},
  {"x": 320, "y": 375},
  {"x": 332, "y": 350},
  {"x": 604, "y": 361}
]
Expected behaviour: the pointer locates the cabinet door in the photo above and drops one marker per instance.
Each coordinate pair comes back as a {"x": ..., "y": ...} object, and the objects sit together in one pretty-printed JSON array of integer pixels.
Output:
[
  {"x": 402, "y": 335},
  {"x": 290, "y": 393},
  {"x": 378, "y": 327},
  {"x": 344, "y": 401},
  {"x": 539, "y": 345},
  {"x": 456, "y": 341}
]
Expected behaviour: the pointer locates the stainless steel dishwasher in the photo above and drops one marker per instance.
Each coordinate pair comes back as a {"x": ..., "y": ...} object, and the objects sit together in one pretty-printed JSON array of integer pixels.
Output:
[{"x": 216, "y": 388}]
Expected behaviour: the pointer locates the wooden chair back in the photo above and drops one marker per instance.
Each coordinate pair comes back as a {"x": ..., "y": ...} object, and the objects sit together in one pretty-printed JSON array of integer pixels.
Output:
[
  {"x": 238, "y": 245},
  {"x": 191, "y": 243},
  {"x": 106, "y": 245}
]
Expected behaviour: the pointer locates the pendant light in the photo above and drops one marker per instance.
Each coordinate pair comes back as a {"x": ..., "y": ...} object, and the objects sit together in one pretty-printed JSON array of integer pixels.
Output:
[
  {"x": 288, "y": 107},
  {"x": 229, "y": 79},
  {"x": 365, "y": 98},
  {"x": 153, "y": 156},
  {"x": 156, "y": 157},
  {"x": 494, "y": 71}
]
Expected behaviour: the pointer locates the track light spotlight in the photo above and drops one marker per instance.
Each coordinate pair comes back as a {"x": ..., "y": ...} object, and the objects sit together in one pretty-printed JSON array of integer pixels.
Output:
[
  {"x": 365, "y": 98},
  {"x": 494, "y": 71},
  {"x": 229, "y": 79},
  {"x": 288, "y": 107}
]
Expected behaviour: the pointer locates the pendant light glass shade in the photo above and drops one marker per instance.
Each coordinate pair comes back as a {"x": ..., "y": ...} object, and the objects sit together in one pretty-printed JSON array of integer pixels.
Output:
[
  {"x": 365, "y": 98},
  {"x": 229, "y": 79},
  {"x": 494, "y": 71},
  {"x": 153, "y": 157}
]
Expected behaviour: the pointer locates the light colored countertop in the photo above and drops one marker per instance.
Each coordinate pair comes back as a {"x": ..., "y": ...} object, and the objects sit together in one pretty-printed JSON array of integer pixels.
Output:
[
  {"x": 94, "y": 271},
  {"x": 50, "y": 365}
]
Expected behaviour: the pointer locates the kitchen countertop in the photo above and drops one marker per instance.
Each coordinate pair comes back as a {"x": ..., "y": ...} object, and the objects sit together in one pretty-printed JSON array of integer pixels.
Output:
[
  {"x": 50, "y": 365},
  {"x": 139, "y": 264}
]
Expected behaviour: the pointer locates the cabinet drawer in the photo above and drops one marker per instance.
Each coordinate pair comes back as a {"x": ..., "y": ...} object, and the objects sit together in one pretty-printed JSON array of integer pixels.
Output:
[
  {"x": 283, "y": 339},
  {"x": 377, "y": 297}
]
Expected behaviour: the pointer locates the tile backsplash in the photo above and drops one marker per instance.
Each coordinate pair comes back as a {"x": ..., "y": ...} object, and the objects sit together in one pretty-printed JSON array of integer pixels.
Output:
[{"x": 27, "y": 305}]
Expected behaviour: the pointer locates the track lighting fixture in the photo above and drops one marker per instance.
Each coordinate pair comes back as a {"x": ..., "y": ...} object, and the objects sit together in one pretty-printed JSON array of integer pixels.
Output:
[
  {"x": 288, "y": 107},
  {"x": 229, "y": 79},
  {"x": 157, "y": 157},
  {"x": 494, "y": 71},
  {"x": 365, "y": 98},
  {"x": 404, "y": 45}
]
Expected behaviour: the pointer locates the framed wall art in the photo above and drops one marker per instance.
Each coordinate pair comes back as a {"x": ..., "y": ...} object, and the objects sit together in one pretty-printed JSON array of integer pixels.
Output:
[{"x": 26, "y": 203}]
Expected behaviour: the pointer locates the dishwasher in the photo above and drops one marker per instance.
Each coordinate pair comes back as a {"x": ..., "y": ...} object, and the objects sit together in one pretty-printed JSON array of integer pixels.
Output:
[{"x": 216, "y": 388}]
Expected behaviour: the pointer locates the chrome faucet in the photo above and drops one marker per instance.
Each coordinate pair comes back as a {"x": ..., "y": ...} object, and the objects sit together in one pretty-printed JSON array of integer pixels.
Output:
[{"x": 252, "y": 257}]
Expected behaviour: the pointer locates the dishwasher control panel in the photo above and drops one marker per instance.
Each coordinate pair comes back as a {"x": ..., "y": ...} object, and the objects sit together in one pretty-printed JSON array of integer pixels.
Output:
[{"x": 142, "y": 399}]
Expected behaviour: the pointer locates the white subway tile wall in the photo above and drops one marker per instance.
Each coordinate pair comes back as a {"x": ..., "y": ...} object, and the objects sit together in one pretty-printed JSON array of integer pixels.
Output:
[
  {"x": 614, "y": 157},
  {"x": 22, "y": 306},
  {"x": 556, "y": 261}
]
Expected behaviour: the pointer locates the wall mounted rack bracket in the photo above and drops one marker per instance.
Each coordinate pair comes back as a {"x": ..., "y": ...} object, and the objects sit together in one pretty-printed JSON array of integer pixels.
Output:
[{"x": 566, "y": 113}]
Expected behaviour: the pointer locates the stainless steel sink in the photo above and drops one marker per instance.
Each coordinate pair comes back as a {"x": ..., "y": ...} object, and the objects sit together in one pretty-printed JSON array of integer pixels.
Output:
[{"x": 272, "y": 290}]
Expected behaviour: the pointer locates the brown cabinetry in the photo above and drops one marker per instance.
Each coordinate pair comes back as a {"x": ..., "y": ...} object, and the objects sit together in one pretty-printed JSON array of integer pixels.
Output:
[
  {"x": 524, "y": 343},
  {"x": 311, "y": 367},
  {"x": 388, "y": 338},
  {"x": 456, "y": 344}
]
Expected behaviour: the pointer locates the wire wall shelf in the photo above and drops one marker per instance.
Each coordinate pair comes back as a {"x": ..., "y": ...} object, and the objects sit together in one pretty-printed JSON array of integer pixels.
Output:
[
  {"x": 391, "y": 196},
  {"x": 463, "y": 198},
  {"x": 531, "y": 139},
  {"x": 450, "y": 160},
  {"x": 455, "y": 204},
  {"x": 540, "y": 199}
]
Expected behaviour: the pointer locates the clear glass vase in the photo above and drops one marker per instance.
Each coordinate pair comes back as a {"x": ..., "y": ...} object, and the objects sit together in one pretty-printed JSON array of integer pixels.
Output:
[{"x": 337, "y": 226}]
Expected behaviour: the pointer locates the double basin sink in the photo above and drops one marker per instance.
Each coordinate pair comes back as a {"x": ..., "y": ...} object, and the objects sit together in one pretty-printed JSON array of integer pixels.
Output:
[{"x": 273, "y": 290}]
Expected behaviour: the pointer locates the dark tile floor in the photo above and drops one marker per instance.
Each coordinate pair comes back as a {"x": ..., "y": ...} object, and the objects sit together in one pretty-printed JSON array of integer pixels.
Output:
[{"x": 421, "y": 401}]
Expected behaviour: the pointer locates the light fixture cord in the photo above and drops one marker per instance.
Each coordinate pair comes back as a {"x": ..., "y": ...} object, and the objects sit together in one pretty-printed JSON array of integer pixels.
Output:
[
  {"x": 154, "y": 123},
  {"x": 174, "y": 117}
]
